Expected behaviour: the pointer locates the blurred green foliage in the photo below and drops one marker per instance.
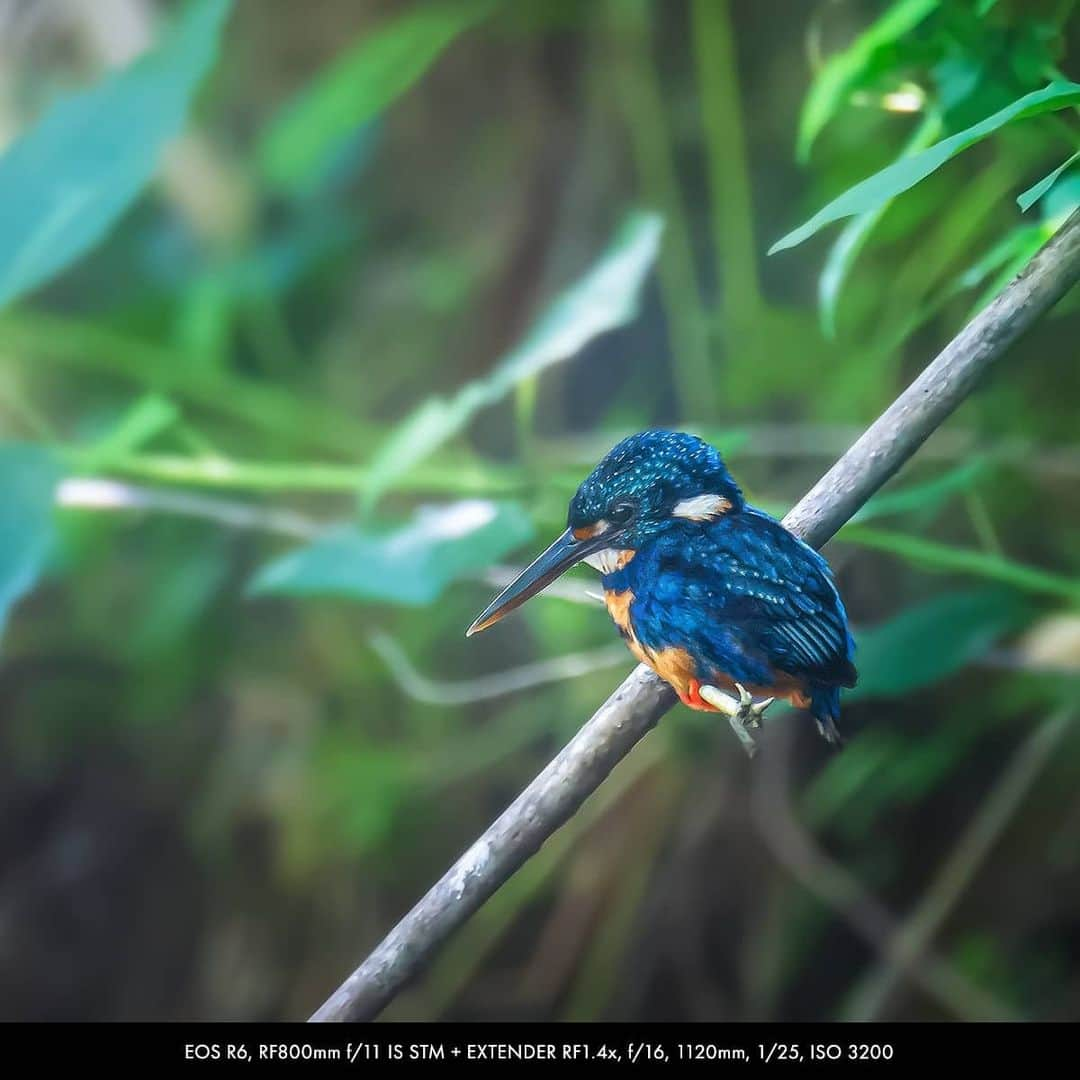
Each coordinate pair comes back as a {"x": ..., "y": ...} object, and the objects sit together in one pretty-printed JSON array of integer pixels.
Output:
[
  {"x": 69, "y": 178},
  {"x": 28, "y": 474},
  {"x": 310, "y": 132},
  {"x": 411, "y": 565},
  {"x": 879, "y": 189},
  {"x": 277, "y": 405}
]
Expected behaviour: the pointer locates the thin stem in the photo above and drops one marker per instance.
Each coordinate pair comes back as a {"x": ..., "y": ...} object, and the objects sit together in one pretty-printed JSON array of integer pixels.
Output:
[
  {"x": 728, "y": 165},
  {"x": 97, "y": 493},
  {"x": 512, "y": 681},
  {"x": 651, "y": 145},
  {"x": 982, "y": 523},
  {"x": 226, "y": 474}
]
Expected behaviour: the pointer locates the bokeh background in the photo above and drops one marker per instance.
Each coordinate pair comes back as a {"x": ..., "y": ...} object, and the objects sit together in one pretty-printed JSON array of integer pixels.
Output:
[{"x": 311, "y": 321}]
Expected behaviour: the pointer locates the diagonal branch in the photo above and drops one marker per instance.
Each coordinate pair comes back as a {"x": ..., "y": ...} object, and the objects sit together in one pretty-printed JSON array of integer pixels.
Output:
[{"x": 636, "y": 706}]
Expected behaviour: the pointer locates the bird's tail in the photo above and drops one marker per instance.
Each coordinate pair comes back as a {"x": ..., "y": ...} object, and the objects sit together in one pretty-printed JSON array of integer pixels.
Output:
[{"x": 825, "y": 709}]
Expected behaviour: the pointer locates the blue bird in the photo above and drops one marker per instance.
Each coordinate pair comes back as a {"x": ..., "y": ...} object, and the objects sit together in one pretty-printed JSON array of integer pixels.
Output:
[{"x": 713, "y": 594}]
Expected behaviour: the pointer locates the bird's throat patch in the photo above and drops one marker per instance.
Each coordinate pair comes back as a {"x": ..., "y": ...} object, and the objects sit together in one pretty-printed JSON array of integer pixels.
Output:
[{"x": 608, "y": 560}]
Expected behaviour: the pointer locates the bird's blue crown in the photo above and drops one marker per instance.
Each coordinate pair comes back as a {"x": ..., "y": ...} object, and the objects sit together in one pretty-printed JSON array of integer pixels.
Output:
[{"x": 646, "y": 475}]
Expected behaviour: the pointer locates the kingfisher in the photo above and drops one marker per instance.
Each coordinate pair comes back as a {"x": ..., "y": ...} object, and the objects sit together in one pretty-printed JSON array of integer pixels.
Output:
[{"x": 715, "y": 595}]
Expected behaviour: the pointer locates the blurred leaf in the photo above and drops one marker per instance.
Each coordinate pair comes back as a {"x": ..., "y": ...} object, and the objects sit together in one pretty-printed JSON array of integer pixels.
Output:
[
  {"x": 411, "y": 565},
  {"x": 845, "y": 70},
  {"x": 205, "y": 312},
  {"x": 606, "y": 297},
  {"x": 147, "y": 418},
  {"x": 1062, "y": 199},
  {"x": 937, "y": 556},
  {"x": 854, "y": 235},
  {"x": 182, "y": 570},
  {"x": 1001, "y": 254},
  {"x": 1011, "y": 256},
  {"x": 311, "y": 129},
  {"x": 887, "y": 767},
  {"x": 1027, "y": 199},
  {"x": 356, "y": 788},
  {"x": 927, "y": 642},
  {"x": 28, "y": 478},
  {"x": 907, "y": 172},
  {"x": 74, "y": 173},
  {"x": 928, "y": 496},
  {"x": 838, "y": 264}
]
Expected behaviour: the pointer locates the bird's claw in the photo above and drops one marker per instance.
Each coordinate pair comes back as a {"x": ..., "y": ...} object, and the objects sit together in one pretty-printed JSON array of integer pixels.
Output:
[
  {"x": 750, "y": 711},
  {"x": 742, "y": 713}
]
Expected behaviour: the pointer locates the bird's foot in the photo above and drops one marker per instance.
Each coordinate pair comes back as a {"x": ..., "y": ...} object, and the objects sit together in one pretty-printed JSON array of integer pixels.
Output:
[{"x": 742, "y": 713}]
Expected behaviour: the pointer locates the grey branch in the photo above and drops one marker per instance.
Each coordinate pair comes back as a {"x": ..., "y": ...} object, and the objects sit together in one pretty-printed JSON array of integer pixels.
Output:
[{"x": 636, "y": 706}]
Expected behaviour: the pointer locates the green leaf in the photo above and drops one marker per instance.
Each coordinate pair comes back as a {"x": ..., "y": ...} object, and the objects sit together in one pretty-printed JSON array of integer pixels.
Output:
[
  {"x": 930, "y": 641},
  {"x": 943, "y": 557},
  {"x": 1061, "y": 200},
  {"x": 886, "y": 768},
  {"x": 411, "y": 565},
  {"x": 310, "y": 129},
  {"x": 854, "y": 235},
  {"x": 28, "y": 478},
  {"x": 847, "y": 69},
  {"x": 66, "y": 181},
  {"x": 1000, "y": 265},
  {"x": 907, "y": 172},
  {"x": 1026, "y": 200},
  {"x": 606, "y": 297},
  {"x": 934, "y": 493},
  {"x": 1001, "y": 254}
]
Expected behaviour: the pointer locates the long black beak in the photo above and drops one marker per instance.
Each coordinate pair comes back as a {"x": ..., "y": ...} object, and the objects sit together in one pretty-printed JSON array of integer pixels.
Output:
[{"x": 567, "y": 551}]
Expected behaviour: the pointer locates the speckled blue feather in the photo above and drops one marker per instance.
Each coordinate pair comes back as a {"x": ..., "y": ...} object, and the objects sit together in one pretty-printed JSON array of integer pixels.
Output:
[{"x": 742, "y": 595}]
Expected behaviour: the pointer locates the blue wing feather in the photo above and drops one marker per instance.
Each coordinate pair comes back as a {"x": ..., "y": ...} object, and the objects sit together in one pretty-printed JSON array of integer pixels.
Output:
[
  {"x": 786, "y": 597},
  {"x": 745, "y": 594}
]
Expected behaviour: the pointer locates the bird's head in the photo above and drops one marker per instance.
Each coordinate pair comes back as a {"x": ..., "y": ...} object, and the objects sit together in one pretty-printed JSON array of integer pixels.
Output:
[{"x": 647, "y": 482}]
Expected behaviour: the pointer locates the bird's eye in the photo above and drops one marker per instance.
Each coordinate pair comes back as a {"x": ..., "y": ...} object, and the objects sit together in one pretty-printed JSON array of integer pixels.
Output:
[{"x": 621, "y": 512}]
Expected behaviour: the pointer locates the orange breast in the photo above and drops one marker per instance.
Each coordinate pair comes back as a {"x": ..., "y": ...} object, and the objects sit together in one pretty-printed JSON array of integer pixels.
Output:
[{"x": 675, "y": 666}]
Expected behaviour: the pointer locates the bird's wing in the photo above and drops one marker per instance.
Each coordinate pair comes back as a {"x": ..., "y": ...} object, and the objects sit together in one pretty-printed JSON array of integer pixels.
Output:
[{"x": 780, "y": 593}]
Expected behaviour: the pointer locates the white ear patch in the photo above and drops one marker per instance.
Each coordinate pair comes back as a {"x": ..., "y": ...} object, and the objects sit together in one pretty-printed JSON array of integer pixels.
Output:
[{"x": 701, "y": 507}]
